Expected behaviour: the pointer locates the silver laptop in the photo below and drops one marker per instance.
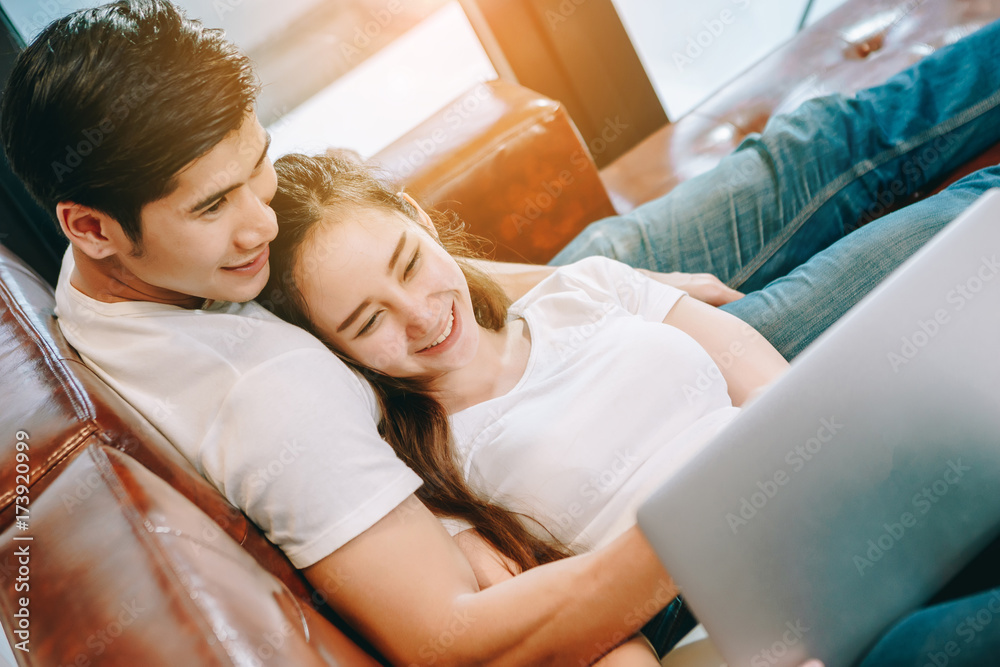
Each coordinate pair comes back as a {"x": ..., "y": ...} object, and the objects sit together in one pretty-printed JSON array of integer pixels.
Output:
[{"x": 865, "y": 478}]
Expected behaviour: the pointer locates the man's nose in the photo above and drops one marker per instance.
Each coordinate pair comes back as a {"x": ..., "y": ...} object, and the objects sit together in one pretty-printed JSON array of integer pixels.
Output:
[{"x": 259, "y": 224}]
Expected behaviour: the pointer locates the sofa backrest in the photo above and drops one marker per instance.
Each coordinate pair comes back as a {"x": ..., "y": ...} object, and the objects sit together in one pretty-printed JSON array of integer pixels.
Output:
[
  {"x": 51, "y": 395},
  {"x": 58, "y": 407},
  {"x": 127, "y": 575}
]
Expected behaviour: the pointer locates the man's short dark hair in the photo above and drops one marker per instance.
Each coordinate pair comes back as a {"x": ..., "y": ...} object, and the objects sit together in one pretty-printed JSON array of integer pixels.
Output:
[{"x": 107, "y": 105}]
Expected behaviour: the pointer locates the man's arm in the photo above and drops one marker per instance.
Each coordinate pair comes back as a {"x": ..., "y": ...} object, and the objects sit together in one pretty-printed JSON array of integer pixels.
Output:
[
  {"x": 517, "y": 279},
  {"x": 492, "y": 567},
  {"x": 407, "y": 587},
  {"x": 489, "y": 565}
]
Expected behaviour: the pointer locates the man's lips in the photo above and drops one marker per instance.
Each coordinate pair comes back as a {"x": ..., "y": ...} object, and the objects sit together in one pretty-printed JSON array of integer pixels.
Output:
[{"x": 254, "y": 265}]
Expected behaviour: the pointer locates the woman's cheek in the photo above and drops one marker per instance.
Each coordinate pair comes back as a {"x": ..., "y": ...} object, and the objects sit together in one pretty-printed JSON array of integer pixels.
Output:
[{"x": 380, "y": 354}]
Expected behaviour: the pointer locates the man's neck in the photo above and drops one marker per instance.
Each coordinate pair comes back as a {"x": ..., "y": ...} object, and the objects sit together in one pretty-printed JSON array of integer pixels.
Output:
[{"x": 107, "y": 281}]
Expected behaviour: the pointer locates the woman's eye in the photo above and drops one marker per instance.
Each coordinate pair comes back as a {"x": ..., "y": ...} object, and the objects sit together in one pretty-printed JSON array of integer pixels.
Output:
[
  {"x": 412, "y": 264},
  {"x": 370, "y": 324}
]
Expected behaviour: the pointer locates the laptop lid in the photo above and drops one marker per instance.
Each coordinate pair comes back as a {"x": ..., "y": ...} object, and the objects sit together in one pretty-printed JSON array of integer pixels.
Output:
[{"x": 865, "y": 478}]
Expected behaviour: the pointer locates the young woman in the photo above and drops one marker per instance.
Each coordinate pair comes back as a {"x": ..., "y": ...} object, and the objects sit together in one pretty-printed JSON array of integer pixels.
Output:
[{"x": 565, "y": 410}]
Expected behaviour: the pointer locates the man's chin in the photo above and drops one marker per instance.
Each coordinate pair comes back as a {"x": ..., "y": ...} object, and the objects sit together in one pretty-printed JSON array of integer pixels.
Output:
[
  {"x": 248, "y": 291},
  {"x": 238, "y": 297}
]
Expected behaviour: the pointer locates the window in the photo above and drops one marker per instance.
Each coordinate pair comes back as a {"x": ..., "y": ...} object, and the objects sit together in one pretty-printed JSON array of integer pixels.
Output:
[
  {"x": 390, "y": 92},
  {"x": 690, "y": 50},
  {"x": 352, "y": 74}
]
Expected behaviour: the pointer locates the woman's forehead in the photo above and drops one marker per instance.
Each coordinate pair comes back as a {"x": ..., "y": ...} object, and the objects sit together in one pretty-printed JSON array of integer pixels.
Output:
[{"x": 352, "y": 240}]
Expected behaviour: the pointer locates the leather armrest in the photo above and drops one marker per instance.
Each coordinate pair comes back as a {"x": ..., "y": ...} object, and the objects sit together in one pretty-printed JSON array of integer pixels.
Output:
[{"x": 510, "y": 163}]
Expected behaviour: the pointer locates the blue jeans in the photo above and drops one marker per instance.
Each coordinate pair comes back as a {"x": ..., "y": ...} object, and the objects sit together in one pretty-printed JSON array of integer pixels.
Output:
[
  {"x": 779, "y": 220},
  {"x": 775, "y": 218},
  {"x": 959, "y": 633}
]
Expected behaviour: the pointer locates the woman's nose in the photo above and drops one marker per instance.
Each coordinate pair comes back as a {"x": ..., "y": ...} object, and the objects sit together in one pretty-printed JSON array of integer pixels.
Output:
[{"x": 421, "y": 317}]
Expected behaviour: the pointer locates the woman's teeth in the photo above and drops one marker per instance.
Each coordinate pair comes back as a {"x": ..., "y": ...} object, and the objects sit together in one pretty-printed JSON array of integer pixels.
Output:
[{"x": 444, "y": 335}]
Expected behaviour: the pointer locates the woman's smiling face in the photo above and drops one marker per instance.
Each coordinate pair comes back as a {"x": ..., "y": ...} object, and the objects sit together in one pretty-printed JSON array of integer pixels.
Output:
[{"x": 382, "y": 291}]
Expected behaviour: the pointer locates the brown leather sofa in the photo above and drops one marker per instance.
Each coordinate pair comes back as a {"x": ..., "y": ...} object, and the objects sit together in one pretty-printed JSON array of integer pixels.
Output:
[
  {"x": 134, "y": 559},
  {"x": 118, "y": 549}
]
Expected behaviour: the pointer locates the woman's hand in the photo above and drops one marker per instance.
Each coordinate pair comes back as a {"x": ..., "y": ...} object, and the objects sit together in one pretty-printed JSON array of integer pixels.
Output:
[{"x": 702, "y": 286}]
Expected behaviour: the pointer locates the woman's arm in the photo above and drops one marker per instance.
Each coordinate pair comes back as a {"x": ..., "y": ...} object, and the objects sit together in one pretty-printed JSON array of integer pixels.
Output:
[
  {"x": 747, "y": 360},
  {"x": 492, "y": 567},
  {"x": 515, "y": 279}
]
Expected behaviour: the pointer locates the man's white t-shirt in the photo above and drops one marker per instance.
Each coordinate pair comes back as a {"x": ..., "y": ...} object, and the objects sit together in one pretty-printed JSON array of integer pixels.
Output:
[
  {"x": 612, "y": 400},
  {"x": 263, "y": 410}
]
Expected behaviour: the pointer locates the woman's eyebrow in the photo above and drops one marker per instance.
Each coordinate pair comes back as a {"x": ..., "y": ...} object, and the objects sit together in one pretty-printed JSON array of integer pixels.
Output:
[
  {"x": 353, "y": 316},
  {"x": 396, "y": 253}
]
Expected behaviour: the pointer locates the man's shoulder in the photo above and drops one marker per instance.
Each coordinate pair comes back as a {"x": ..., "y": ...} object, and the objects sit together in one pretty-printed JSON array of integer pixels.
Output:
[
  {"x": 229, "y": 343},
  {"x": 239, "y": 332},
  {"x": 243, "y": 329}
]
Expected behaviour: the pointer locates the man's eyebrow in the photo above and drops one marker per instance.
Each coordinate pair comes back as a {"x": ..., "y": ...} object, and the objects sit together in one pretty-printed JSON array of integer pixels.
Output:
[
  {"x": 353, "y": 316},
  {"x": 222, "y": 193},
  {"x": 263, "y": 155},
  {"x": 396, "y": 253},
  {"x": 212, "y": 197}
]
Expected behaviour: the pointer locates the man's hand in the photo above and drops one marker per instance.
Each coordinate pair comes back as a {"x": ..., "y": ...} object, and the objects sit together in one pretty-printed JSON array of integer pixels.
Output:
[
  {"x": 516, "y": 279},
  {"x": 702, "y": 286}
]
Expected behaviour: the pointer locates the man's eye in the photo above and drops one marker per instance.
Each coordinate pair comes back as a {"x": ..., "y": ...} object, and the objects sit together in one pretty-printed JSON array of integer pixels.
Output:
[
  {"x": 412, "y": 264},
  {"x": 214, "y": 208}
]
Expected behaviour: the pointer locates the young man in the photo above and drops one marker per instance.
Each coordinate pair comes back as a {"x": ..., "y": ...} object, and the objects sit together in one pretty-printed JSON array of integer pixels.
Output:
[{"x": 135, "y": 127}]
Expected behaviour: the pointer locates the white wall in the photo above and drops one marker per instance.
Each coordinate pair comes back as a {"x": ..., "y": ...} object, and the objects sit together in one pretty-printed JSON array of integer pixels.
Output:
[
  {"x": 391, "y": 92},
  {"x": 690, "y": 49}
]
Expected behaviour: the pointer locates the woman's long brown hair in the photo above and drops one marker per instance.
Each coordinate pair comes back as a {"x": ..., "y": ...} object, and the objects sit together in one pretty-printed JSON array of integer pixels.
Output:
[{"x": 311, "y": 190}]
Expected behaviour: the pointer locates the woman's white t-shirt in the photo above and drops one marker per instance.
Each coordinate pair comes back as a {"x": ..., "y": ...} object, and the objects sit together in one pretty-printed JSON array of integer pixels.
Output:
[{"x": 612, "y": 400}]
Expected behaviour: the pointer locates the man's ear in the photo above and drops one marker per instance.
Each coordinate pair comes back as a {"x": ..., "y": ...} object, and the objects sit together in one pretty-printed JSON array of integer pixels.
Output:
[
  {"x": 96, "y": 234},
  {"x": 422, "y": 218}
]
